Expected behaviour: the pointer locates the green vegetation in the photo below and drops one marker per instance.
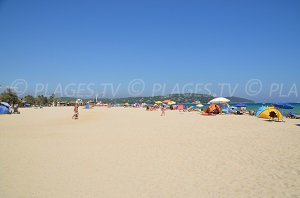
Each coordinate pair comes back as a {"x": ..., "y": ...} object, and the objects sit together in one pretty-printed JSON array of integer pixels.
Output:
[
  {"x": 234, "y": 99},
  {"x": 11, "y": 97},
  {"x": 179, "y": 98}
]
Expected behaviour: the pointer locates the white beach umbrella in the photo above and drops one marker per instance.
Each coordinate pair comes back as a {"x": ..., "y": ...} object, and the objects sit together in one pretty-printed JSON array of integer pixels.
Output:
[
  {"x": 219, "y": 100},
  {"x": 199, "y": 105}
]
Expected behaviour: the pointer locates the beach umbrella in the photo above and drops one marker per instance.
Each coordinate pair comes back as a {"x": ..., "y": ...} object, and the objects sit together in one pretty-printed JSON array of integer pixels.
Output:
[
  {"x": 199, "y": 105},
  {"x": 197, "y": 102},
  {"x": 171, "y": 103},
  {"x": 158, "y": 102},
  {"x": 5, "y": 104},
  {"x": 219, "y": 100},
  {"x": 167, "y": 101},
  {"x": 283, "y": 106},
  {"x": 240, "y": 105}
]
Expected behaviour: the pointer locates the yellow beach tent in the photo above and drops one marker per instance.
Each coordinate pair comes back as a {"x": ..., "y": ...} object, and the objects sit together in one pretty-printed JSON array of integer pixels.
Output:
[{"x": 267, "y": 112}]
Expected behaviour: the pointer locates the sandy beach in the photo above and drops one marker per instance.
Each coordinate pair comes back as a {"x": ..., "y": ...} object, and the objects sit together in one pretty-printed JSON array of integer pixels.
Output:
[{"x": 124, "y": 152}]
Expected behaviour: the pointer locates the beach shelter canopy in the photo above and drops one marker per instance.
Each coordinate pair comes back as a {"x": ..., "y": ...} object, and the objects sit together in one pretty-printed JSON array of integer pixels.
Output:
[
  {"x": 240, "y": 105},
  {"x": 269, "y": 113},
  {"x": 219, "y": 100},
  {"x": 283, "y": 106}
]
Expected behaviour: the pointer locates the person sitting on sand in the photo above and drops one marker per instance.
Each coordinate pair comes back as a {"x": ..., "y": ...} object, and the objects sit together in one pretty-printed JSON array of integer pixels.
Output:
[
  {"x": 76, "y": 112},
  {"x": 273, "y": 115}
]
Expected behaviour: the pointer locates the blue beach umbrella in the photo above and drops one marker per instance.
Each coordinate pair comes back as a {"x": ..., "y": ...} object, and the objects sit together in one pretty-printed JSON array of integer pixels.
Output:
[
  {"x": 240, "y": 105},
  {"x": 283, "y": 106}
]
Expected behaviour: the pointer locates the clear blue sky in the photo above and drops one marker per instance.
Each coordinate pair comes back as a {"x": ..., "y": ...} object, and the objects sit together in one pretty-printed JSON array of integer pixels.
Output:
[{"x": 170, "y": 42}]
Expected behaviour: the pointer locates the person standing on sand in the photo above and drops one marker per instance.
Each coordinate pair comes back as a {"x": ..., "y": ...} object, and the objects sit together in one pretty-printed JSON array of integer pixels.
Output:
[
  {"x": 76, "y": 112},
  {"x": 163, "y": 111}
]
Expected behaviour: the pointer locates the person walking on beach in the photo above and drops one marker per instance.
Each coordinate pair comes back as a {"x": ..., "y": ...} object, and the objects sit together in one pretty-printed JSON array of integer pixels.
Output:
[
  {"x": 163, "y": 110},
  {"x": 76, "y": 112}
]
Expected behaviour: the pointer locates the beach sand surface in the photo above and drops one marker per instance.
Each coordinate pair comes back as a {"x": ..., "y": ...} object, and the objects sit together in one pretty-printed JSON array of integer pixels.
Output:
[{"x": 124, "y": 152}]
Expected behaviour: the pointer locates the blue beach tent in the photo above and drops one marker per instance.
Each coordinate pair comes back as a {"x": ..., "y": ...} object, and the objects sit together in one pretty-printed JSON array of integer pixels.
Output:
[
  {"x": 260, "y": 110},
  {"x": 4, "y": 110},
  {"x": 5, "y": 104}
]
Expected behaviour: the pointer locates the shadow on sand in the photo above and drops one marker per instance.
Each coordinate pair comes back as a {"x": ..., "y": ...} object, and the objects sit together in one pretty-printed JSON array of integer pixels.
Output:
[{"x": 274, "y": 121}]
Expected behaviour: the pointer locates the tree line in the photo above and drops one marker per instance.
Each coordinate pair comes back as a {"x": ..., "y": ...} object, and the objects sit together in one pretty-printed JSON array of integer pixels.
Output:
[{"x": 12, "y": 98}]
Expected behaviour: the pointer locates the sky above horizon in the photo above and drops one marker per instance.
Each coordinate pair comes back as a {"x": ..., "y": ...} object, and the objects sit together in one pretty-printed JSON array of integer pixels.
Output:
[{"x": 218, "y": 47}]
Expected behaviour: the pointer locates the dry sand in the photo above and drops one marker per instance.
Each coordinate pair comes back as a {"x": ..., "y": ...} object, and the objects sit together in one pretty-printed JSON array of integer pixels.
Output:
[{"x": 121, "y": 152}]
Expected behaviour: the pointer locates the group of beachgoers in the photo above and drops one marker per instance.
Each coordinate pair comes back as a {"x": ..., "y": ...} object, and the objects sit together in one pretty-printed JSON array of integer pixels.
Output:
[{"x": 212, "y": 109}]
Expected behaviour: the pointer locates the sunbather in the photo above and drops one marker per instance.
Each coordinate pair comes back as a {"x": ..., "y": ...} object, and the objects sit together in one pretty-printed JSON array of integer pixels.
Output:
[{"x": 292, "y": 116}]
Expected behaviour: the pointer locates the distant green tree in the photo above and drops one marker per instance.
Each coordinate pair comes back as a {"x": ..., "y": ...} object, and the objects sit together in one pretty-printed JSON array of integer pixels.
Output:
[
  {"x": 29, "y": 99},
  {"x": 42, "y": 100},
  {"x": 10, "y": 97},
  {"x": 52, "y": 99}
]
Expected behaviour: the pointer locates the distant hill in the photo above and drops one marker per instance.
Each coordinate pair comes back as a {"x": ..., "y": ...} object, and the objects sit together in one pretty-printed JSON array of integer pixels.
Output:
[
  {"x": 179, "y": 98},
  {"x": 234, "y": 99}
]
